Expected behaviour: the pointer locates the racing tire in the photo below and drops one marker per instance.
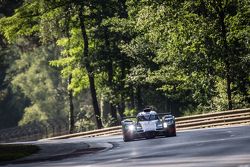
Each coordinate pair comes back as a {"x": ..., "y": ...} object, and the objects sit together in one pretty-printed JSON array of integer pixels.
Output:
[
  {"x": 174, "y": 134},
  {"x": 127, "y": 139},
  {"x": 167, "y": 134}
]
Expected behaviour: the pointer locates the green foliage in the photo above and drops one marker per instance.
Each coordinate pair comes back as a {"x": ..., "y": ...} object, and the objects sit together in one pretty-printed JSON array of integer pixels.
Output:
[
  {"x": 108, "y": 121},
  {"x": 84, "y": 118},
  {"x": 72, "y": 49},
  {"x": 39, "y": 82},
  {"x": 185, "y": 57},
  {"x": 131, "y": 112},
  {"x": 12, "y": 101},
  {"x": 23, "y": 22},
  {"x": 33, "y": 114},
  {"x": 179, "y": 49}
]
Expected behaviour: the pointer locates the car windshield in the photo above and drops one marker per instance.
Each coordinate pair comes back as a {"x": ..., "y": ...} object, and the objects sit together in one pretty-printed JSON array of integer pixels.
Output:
[{"x": 147, "y": 117}]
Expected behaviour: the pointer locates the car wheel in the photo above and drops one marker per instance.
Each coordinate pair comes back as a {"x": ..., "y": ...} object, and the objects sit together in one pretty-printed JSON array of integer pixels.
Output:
[
  {"x": 126, "y": 139},
  {"x": 174, "y": 132},
  {"x": 170, "y": 133}
]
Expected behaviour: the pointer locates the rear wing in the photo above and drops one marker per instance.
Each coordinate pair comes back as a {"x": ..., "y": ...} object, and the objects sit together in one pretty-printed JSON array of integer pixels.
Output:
[
  {"x": 159, "y": 114},
  {"x": 162, "y": 114},
  {"x": 123, "y": 118}
]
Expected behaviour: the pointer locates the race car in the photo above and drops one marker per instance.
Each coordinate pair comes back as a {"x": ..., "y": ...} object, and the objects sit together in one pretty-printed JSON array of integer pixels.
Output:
[{"x": 148, "y": 124}]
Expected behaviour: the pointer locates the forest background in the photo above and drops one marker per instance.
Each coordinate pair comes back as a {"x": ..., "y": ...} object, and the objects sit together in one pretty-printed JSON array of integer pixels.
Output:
[{"x": 86, "y": 64}]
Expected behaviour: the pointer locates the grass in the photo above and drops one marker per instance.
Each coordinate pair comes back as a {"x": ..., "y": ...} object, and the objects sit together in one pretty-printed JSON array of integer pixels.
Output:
[{"x": 9, "y": 152}]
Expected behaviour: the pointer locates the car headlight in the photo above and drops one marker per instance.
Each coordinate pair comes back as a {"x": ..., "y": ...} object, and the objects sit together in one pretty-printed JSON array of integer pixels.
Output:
[
  {"x": 159, "y": 125},
  {"x": 131, "y": 127},
  {"x": 169, "y": 121},
  {"x": 165, "y": 124},
  {"x": 139, "y": 128}
]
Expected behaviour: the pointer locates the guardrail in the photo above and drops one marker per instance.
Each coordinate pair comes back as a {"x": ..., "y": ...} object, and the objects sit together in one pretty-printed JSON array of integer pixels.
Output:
[
  {"x": 93, "y": 133},
  {"x": 226, "y": 118},
  {"x": 232, "y": 117}
]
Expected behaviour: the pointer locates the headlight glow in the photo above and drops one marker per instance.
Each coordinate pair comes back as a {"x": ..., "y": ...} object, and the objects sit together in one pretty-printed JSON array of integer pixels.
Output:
[
  {"x": 169, "y": 121},
  {"x": 139, "y": 127},
  {"x": 159, "y": 125},
  {"x": 131, "y": 127},
  {"x": 165, "y": 125}
]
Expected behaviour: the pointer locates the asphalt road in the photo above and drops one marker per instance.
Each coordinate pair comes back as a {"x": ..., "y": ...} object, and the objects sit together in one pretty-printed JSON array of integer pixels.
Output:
[{"x": 226, "y": 147}]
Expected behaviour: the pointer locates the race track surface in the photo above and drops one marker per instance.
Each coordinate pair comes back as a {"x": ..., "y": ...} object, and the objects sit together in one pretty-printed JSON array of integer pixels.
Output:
[{"x": 225, "y": 147}]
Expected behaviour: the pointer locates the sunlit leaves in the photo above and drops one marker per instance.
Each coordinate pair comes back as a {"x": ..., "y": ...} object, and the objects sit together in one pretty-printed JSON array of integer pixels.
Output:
[
  {"x": 22, "y": 23},
  {"x": 79, "y": 80},
  {"x": 71, "y": 61}
]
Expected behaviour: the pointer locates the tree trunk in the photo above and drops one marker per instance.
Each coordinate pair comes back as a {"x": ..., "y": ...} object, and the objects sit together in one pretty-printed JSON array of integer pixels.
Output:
[
  {"x": 110, "y": 75},
  {"x": 229, "y": 91},
  {"x": 94, "y": 99},
  {"x": 122, "y": 80},
  {"x": 132, "y": 97},
  {"x": 89, "y": 69},
  {"x": 138, "y": 98},
  {"x": 70, "y": 92},
  {"x": 110, "y": 80},
  {"x": 71, "y": 109},
  {"x": 109, "y": 67},
  {"x": 121, "y": 107},
  {"x": 226, "y": 57}
]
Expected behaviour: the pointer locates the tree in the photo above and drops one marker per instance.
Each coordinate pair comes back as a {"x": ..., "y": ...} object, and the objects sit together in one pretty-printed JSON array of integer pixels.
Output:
[
  {"x": 33, "y": 76},
  {"x": 228, "y": 19},
  {"x": 26, "y": 22},
  {"x": 185, "y": 56},
  {"x": 180, "y": 47},
  {"x": 12, "y": 102}
]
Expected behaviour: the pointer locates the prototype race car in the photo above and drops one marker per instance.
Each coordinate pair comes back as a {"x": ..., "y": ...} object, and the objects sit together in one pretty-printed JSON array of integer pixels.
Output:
[{"x": 148, "y": 124}]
